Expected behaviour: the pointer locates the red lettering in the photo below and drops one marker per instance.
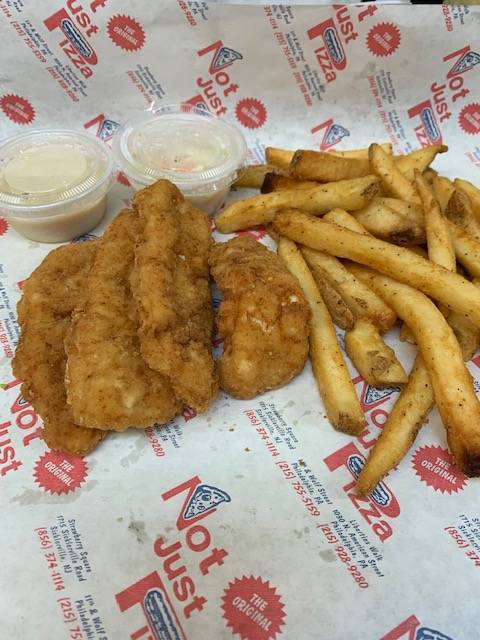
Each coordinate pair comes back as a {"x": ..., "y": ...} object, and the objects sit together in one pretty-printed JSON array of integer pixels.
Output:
[
  {"x": 190, "y": 486},
  {"x": 202, "y": 544},
  {"x": 407, "y": 626}
]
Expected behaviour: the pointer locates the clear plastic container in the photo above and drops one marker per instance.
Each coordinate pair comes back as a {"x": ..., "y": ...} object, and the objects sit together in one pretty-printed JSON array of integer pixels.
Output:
[
  {"x": 54, "y": 183},
  {"x": 200, "y": 153}
]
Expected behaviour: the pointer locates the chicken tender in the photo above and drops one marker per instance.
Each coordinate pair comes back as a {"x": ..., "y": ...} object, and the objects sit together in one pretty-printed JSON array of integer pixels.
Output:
[
  {"x": 170, "y": 284},
  {"x": 44, "y": 315},
  {"x": 109, "y": 386},
  {"x": 263, "y": 318}
]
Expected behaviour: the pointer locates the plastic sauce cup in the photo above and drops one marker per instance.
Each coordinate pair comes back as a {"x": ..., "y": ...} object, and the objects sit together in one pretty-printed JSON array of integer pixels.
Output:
[
  {"x": 54, "y": 183},
  {"x": 200, "y": 153}
]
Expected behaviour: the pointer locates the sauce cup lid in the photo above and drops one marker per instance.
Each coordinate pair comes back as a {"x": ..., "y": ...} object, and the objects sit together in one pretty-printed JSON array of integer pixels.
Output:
[
  {"x": 181, "y": 143},
  {"x": 47, "y": 168}
]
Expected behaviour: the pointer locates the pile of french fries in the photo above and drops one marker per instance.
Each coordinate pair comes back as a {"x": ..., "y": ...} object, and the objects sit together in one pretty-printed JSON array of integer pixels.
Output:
[{"x": 375, "y": 238}]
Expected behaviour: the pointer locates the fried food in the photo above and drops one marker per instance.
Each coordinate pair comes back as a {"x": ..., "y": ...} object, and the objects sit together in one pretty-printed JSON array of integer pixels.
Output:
[
  {"x": 329, "y": 367},
  {"x": 109, "y": 386},
  {"x": 325, "y": 167},
  {"x": 394, "y": 182},
  {"x": 263, "y": 318},
  {"x": 44, "y": 315},
  {"x": 170, "y": 284}
]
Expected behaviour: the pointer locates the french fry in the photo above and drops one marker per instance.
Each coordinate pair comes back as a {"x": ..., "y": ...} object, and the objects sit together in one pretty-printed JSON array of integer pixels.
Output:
[
  {"x": 387, "y": 224},
  {"x": 442, "y": 189},
  {"x": 467, "y": 250},
  {"x": 331, "y": 373},
  {"x": 440, "y": 248},
  {"x": 340, "y": 313},
  {"x": 410, "y": 210},
  {"x": 253, "y": 176},
  {"x": 361, "y": 300},
  {"x": 449, "y": 288},
  {"x": 467, "y": 334},
  {"x": 400, "y": 430},
  {"x": 418, "y": 160},
  {"x": 375, "y": 361},
  {"x": 276, "y": 182},
  {"x": 452, "y": 384},
  {"x": 406, "y": 334},
  {"x": 280, "y": 158},
  {"x": 349, "y": 194},
  {"x": 345, "y": 219},
  {"x": 460, "y": 211},
  {"x": 429, "y": 174},
  {"x": 393, "y": 181},
  {"x": 473, "y": 194},
  {"x": 325, "y": 167}
]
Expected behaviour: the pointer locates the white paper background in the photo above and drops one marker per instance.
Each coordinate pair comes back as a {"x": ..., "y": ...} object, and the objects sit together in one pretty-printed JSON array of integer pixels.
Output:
[{"x": 429, "y": 585}]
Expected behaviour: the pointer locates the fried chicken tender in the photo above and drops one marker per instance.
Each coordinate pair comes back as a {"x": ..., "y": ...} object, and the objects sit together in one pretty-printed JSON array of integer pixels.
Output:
[
  {"x": 263, "y": 318},
  {"x": 109, "y": 386},
  {"x": 170, "y": 284},
  {"x": 44, "y": 315}
]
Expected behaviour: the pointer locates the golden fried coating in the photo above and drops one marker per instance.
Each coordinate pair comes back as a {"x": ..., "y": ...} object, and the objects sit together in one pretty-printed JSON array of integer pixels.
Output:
[
  {"x": 170, "y": 284},
  {"x": 44, "y": 315},
  {"x": 109, "y": 386},
  {"x": 263, "y": 318}
]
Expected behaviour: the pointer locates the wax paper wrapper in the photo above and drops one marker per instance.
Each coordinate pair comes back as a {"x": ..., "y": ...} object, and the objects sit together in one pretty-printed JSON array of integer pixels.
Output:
[{"x": 242, "y": 522}]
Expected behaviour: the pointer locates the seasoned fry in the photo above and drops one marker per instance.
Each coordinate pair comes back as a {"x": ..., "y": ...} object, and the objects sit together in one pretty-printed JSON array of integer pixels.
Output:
[
  {"x": 473, "y": 194},
  {"x": 418, "y": 160},
  {"x": 253, "y": 176},
  {"x": 339, "y": 311},
  {"x": 443, "y": 189},
  {"x": 280, "y": 158},
  {"x": 467, "y": 250},
  {"x": 452, "y": 384},
  {"x": 345, "y": 219},
  {"x": 331, "y": 373},
  {"x": 361, "y": 153},
  {"x": 400, "y": 430},
  {"x": 467, "y": 334},
  {"x": 460, "y": 211},
  {"x": 429, "y": 175},
  {"x": 406, "y": 334},
  {"x": 374, "y": 360},
  {"x": 360, "y": 299},
  {"x": 387, "y": 224},
  {"x": 325, "y": 167},
  {"x": 450, "y": 288},
  {"x": 349, "y": 194},
  {"x": 440, "y": 248},
  {"x": 276, "y": 182},
  {"x": 393, "y": 181},
  {"x": 410, "y": 210}
]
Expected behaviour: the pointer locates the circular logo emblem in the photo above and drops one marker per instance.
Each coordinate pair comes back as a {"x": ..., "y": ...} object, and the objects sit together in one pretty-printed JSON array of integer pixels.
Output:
[
  {"x": 251, "y": 113},
  {"x": 469, "y": 118},
  {"x": 253, "y": 609},
  {"x": 59, "y": 473},
  {"x": 434, "y": 466},
  {"x": 383, "y": 39},
  {"x": 126, "y": 33},
  {"x": 18, "y": 109},
  {"x": 3, "y": 226}
]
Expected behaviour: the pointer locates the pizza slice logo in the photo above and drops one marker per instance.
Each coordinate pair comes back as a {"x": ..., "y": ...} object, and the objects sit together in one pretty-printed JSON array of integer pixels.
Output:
[
  {"x": 381, "y": 495},
  {"x": 334, "y": 134},
  {"x": 197, "y": 102},
  {"x": 224, "y": 58},
  {"x": 376, "y": 395},
  {"x": 465, "y": 63},
  {"x": 204, "y": 499}
]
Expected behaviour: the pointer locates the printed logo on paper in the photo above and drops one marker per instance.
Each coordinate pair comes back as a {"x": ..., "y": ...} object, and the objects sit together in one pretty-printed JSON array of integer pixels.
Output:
[
  {"x": 469, "y": 118},
  {"x": 59, "y": 473},
  {"x": 251, "y": 113},
  {"x": 126, "y": 32},
  {"x": 333, "y": 133},
  {"x": 173, "y": 591},
  {"x": 104, "y": 128},
  {"x": 4, "y": 226},
  {"x": 257, "y": 233},
  {"x": 373, "y": 396},
  {"x": 17, "y": 109},
  {"x": 223, "y": 58},
  {"x": 198, "y": 102},
  {"x": 435, "y": 467},
  {"x": 218, "y": 84},
  {"x": 383, "y": 39},
  {"x": 468, "y": 60},
  {"x": 410, "y": 629},
  {"x": 427, "y": 130},
  {"x": 253, "y": 609},
  {"x": 204, "y": 499}
]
